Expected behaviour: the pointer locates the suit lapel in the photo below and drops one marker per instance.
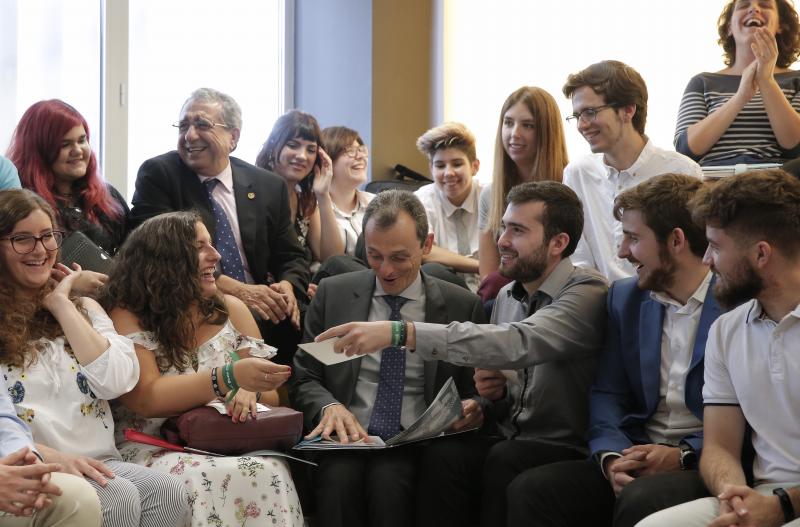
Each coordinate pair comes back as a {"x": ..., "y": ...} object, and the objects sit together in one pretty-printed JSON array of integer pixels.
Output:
[
  {"x": 360, "y": 303},
  {"x": 435, "y": 313},
  {"x": 245, "y": 210},
  {"x": 651, "y": 320},
  {"x": 708, "y": 315}
]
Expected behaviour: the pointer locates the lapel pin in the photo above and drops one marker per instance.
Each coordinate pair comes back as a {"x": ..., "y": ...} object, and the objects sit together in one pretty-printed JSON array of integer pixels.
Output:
[{"x": 251, "y": 195}]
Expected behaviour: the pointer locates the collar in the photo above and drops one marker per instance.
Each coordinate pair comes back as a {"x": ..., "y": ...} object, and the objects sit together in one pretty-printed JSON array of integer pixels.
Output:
[
  {"x": 412, "y": 292},
  {"x": 633, "y": 170},
  {"x": 554, "y": 282},
  {"x": 362, "y": 200},
  {"x": 225, "y": 178},
  {"x": 756, "y": 312},
  {"x": 469, "y": 204},
  {"x": 697, "y": 298}
]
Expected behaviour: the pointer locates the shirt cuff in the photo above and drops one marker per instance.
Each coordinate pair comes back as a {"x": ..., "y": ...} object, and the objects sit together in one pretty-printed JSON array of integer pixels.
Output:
[
  {"x": 431, "y": 340},
  {"x": 601, "y": 458}
]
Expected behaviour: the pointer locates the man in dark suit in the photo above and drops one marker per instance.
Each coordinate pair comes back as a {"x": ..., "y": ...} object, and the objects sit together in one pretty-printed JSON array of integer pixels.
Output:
[
  {"x": 646, "y": 405},
  {"x": 245, "y": 208},
  {"x": 378, "y": 488}
]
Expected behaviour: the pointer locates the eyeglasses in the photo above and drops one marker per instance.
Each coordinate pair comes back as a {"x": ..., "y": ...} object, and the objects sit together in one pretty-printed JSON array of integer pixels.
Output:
[
  {"x": 353, "y": 151},
  {"x": 201, "y": 124},
  {"x": 588, "y": 115},
  {"x": 26, "y": 243}
]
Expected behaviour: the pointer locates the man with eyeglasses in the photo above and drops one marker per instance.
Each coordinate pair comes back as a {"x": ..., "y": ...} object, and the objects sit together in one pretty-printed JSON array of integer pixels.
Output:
[
  {"x": 609, "y": 103},
  {"x": 245, "y": 208}
]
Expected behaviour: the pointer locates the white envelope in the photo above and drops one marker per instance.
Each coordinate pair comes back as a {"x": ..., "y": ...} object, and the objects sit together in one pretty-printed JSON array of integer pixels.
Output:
[{"x": 323, "y": 352}]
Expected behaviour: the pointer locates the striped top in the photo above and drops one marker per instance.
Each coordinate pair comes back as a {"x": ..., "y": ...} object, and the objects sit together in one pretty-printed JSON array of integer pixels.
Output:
[{"x": 749, "y": 138}]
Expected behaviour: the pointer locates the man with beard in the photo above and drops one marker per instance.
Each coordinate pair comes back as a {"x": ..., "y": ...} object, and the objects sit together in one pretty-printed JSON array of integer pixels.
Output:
[
  {"x": 546, "y": 333},
  {"x": 752, "y": 361},
  {"x": 645, "y": 420}
]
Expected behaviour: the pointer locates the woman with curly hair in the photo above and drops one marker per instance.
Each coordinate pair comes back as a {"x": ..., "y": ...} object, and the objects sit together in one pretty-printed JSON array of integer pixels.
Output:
[
  {"x": 746, "y": 112},
  {"x": 162, "y": 294},
  {"x": 50, "y": 148},
  {"x": 63, "y": 361},
  {"x": 293, "y": 152}
]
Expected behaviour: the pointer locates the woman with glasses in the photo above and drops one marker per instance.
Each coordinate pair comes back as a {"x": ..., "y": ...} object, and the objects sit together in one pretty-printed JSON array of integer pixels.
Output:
[
  {"x": 162, "y": 294},
  {"x": 746, "y": 112},
  {"x": 63, "y": 361},
  {"x": 293, "y": 152},
  {"x": 50, "y": 148},
  {"x": 350, "y": 156},
  {"x": 530, "y": 146}
]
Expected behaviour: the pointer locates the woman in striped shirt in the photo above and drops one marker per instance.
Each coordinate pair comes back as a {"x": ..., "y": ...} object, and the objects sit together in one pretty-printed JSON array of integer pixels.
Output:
[{"x": 748, "y": 111}]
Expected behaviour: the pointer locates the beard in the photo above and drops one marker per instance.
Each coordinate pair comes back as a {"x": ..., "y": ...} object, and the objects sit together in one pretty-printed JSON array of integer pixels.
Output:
[
  {"x": 660, "y": 279},
  {"x": 527, "y": 269},
  {"x": 740, "y": 286}
]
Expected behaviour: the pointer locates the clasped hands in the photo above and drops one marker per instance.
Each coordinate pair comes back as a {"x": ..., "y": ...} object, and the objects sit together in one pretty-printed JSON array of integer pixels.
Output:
[
  {"x": 640, "y": 460},
  {"x": 273, "y": 302}
]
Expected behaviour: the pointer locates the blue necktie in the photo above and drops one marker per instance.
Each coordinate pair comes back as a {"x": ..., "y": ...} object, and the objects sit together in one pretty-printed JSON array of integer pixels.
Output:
[
  {"x": 224, "y": 241},
  {"x": 385, "y": 420}
]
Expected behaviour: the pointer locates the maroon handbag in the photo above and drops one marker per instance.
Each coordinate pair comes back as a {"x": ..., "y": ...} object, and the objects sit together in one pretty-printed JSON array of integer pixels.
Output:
[{"x": 205, "y": 428}]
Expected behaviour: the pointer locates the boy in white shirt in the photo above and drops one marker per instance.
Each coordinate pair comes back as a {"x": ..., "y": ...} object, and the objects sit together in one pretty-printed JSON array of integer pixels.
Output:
[{"x": 451, "y": 202}]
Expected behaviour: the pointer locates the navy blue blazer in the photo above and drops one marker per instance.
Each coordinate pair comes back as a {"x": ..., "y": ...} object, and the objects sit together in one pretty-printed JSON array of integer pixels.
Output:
[{"x": 625, "y": 393}]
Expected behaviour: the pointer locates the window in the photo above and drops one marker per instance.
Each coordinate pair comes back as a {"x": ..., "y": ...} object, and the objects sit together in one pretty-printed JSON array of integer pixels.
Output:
[
  {"x": 177, "y": 46},
  {"x": 50, "y": 50},
  {"x": 55, "y": 49}
]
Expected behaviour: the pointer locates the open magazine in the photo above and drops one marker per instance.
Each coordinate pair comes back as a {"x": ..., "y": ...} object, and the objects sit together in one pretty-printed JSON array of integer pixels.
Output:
[{"x": 434, "y": 422}]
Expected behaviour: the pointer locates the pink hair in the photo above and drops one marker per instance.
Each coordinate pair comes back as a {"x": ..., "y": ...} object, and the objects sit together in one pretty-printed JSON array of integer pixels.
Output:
[{"x": 35, "y": 146}]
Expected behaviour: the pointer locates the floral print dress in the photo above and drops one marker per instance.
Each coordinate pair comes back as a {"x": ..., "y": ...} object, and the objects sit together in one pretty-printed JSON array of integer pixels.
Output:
[{"x": 223, "y": 491}]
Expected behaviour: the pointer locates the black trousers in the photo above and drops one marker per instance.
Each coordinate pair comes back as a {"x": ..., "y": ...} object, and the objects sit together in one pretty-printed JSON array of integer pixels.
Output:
[
  {"x": 469, "y": 479},
  {"x": 369, "y": 489},
  {"x": 575, "y": 493}
]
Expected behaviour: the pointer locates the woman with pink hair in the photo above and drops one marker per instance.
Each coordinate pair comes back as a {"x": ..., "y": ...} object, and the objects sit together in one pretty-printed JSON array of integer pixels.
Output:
[{"x": 50, "y": 148}]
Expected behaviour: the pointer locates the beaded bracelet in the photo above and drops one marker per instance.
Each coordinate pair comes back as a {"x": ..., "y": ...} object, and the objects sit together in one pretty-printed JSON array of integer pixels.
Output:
[
  {"x": 396, "y": 333},
  {"x": 403, "y": 334},
  {"x": 215, "y": 383}
]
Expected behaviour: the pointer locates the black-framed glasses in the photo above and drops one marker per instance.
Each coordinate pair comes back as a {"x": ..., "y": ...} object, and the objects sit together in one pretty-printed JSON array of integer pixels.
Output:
[
  {"x": 354, "y": 151},
  {"x": 26, "y": 243},
  {"x": 200, "y": 123},
  {"x": 587, "y": 115}
]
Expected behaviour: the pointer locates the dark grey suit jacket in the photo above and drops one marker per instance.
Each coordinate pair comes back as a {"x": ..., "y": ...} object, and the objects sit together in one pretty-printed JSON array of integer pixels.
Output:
[
  {"x": 347, "y": 298},
  {"x": 166, "y": 184}
]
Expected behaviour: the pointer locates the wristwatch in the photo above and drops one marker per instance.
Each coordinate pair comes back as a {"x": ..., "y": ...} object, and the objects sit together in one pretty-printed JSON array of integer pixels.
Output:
[{"x": 688, "y": 457}]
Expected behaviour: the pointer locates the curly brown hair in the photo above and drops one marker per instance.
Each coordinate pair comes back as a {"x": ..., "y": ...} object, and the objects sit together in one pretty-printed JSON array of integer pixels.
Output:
[
  {"x": 156, "y": 277},
  {"x": 757, "y": 205},
  {"x": 23, "y": 320},
  {"x": 788, "y": 39}
]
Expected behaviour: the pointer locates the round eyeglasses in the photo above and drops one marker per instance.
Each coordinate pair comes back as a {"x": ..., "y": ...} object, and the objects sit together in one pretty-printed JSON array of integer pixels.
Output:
[
  {"x": 353, "y": 151},
  {"x": 26, "y": 243}
]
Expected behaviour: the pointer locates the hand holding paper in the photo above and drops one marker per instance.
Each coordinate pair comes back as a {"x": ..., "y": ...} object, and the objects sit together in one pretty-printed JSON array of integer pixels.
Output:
[{"x": 359, "y": 338}]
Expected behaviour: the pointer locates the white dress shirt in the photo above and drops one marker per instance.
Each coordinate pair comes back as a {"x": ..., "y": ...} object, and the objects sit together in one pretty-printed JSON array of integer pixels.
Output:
[
  {"x": 223, "y": 193},
  {"x": 447, "y": 227},
  {"x": 672, "y": 420},
  {"x": 597, "y": 185},
  {"x": 368, "y": 375},
  {"x": 350, "y": 223}
]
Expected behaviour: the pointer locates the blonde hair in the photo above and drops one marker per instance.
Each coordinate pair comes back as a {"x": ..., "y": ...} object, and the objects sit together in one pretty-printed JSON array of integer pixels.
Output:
[
  {"x": 447, "y": 135},
  {"x": 551, "y": 149}
]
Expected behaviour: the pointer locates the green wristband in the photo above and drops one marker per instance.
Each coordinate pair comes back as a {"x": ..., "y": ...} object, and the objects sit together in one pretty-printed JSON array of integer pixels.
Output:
[
  {"x": 396, "y": 333},
  {"x": 228, "y": 377}
]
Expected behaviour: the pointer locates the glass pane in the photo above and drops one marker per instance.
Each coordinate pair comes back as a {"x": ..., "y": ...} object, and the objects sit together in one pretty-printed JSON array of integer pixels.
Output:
[
  {"x": 49, "y": 49},
  {"x": 180, "y": 45}
]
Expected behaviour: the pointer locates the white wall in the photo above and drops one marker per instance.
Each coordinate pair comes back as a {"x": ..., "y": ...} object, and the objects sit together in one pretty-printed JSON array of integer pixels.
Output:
[{"x": 493, "y": 48}]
